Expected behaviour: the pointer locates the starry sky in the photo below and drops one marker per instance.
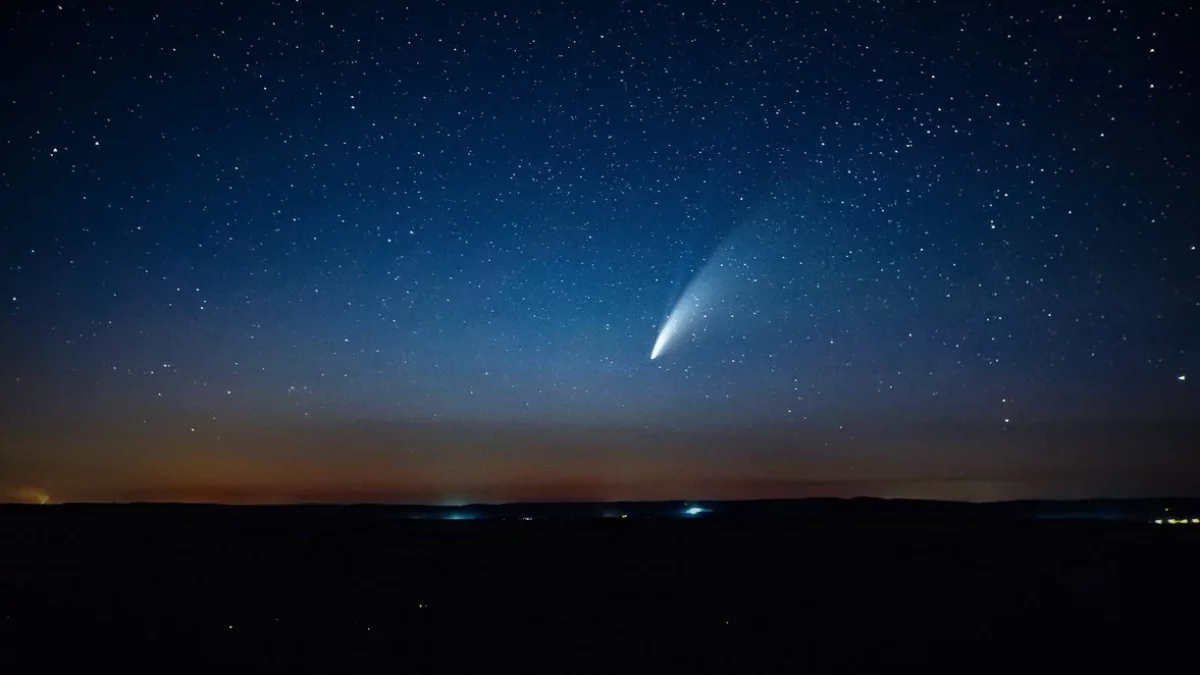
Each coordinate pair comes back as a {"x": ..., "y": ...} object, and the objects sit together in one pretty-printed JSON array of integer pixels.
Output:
[{"x": 362, "y": 251}]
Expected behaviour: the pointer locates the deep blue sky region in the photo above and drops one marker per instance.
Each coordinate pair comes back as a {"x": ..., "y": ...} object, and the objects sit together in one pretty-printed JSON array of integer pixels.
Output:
[{"x": 278, "y": 251}]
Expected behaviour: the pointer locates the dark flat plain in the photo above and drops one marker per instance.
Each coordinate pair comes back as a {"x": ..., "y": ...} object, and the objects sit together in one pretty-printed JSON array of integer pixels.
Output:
[{"x": 268, "y": 590}]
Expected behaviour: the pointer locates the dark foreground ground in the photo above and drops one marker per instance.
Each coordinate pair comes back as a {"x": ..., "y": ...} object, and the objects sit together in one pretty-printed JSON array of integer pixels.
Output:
[{"x": 257, "y": 590}]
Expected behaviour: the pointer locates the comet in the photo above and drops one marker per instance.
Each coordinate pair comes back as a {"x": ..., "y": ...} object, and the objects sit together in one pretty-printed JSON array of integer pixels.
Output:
[
  {"x": 723, "y": 283},
  {"x": 692, "y": 305},
  {"x": 665, "y": 334},
  {"x": 664, "y": 337}
]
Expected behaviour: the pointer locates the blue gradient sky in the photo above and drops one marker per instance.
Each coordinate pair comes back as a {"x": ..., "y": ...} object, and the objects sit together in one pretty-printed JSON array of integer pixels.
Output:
[{"x": 357, "y": 250}]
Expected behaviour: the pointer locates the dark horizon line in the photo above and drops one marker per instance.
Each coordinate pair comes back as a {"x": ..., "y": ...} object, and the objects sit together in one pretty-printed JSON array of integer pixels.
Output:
[{"x": 700, "y": 501}]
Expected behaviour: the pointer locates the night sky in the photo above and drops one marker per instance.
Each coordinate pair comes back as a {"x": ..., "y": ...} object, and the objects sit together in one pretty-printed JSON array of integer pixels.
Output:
[{"x": 355, "y": 251}]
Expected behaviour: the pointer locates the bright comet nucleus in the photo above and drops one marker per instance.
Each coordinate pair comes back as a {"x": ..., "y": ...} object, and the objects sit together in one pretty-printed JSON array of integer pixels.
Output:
[
  {"x": 664, "y": 337},
  {"x": 708, "y": 288},
  {"x": 677, "y": 321}
]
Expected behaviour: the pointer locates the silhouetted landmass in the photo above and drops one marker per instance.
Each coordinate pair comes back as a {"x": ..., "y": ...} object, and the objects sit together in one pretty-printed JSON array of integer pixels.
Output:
[
  {"x": 848, "y": 585},
  {"x": 823, "y": 510}
]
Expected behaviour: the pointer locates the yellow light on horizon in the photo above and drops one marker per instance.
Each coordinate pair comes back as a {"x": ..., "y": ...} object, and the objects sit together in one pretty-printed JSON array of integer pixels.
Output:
[{"x": 27, "y": 495}]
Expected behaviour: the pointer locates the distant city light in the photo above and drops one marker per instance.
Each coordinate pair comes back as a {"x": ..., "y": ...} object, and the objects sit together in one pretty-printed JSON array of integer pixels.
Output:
[{"x": 31, "y": 495}]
